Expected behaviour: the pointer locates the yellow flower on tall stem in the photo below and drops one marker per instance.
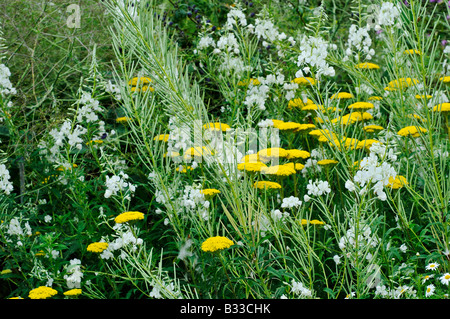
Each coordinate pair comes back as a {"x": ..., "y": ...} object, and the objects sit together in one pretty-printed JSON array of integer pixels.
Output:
[
  {"x": 42, "y": 292},
  {"x": 129, "y": 216},
  {"x": 218, "y": 243}
]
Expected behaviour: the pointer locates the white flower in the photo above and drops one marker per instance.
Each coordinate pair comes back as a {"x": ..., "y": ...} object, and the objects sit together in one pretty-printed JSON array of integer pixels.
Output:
[
  {"x": 337, "y": 259},
  {"x": 445, "y": 278},
  {"x": 14, "y": 227},
  {"x": 117, "y": 183},
  {"x": 350, "y": 186},
  {"x": 55, "y": 254},
  {"x": 6, "y": 87},
  {"x": 432, "y": 266},
  {"x": 388, "y": 13},
  {"x": 299, "y": 289},
  {"x": 291, "y": 202},
  {"x": 73, "y": 280},
  {"x": 403, "y": 248},
  {"x": 185, "y": 250},
  {"x": 318, "y": 188},
  {"x": 5, "y": 184},
  {"x": 430, "y": 290}
]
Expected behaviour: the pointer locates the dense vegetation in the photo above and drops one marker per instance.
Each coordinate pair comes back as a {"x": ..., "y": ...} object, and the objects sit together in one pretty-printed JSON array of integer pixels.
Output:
[{"x": 220, "y": 149}]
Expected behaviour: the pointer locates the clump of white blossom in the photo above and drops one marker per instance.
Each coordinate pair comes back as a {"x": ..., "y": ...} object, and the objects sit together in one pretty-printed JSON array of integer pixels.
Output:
[
  {"x": 118, "y": 183},
  {"x": 358, "y": 43},
  {"x": 6, "y": 87},
  {"x": 74, "y": 274},
  {"x": 5, "y": 184},
  {"x": 374, "y": 172},
  {"x": 125, "y": 238}
]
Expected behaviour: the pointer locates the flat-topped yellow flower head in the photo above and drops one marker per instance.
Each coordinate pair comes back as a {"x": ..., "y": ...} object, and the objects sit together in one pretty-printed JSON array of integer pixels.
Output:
[
  {"x": 128, "y": 216},
  {"x": 443, "y": 107},
  {"x": 210, "y": 192},
  {"x": 73, "y": 292},
  {"x": 97, "y": 247},
  {"x": 123, "y": 119},
  {"x": 298, "y": 103},
  {"x": 161, "y": 137},
  {"x": 445, "y": 79},
  {"x": 341, "y": 95},
  {"x": 251, "y": 166},
  {"x": 42, "y": 292},
  {"x": 327, "y": 162},
  {"x": 366, "y": 144},
  {"x": 397, "y": 182},
  {"x": 266, "y": 185},
  {"x": 304, "y": 81},
  {"x": 295, "y": 154},
  {"x": 303, "y": 128},
  {"x": 218, "y": 243},
  {"x": 265, "y": 155},
  {"x": 359, "y": 106},
  {"x": 373, "y": 128},
  {"x": 140, "y": 80},
  {"x": 215, "y": 126},
  {"x": 345, "y": 143},
  {"x": 288, "y": 126},
  {"x": 295, "y": 166},
  {"x": 278, "y": 170},
  {"x": 197, "y": 151},
  {"x": 413, "y": 131},
  {"x": 401, "y": 84}
]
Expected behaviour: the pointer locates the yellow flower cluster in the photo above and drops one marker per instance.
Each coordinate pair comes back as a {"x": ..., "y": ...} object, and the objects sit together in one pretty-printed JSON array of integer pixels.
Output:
[
  {"x": 215, "y": 126},
  {"x": 397, "y": 182},
  {"x": 265, "y": 155},
  {"x": 401, "y": 84},
  {"x": 443, "y": 107},
  {"x": 304, "y": 81},
  {"x": 197, "y": 151},
  {"x": 278, "y": 170},
  {"x": 298, "y": 103},
  {"x": 361, "y": 106},
  {"x": 266, "y": 185},
  {"x": 123, "y": 119},
  {"x": 128, "y": 216},
  {"x": 323, "y": 135},
  {"x": 342, "y": 96},
  {"x": 367, "y": 144},
  {"x": 210, "y": 192},
  {"x": 295, "y": 166},
  {"x": 326, "y": 162},
  {"x": 372, "y": 128},
  {"x": 73, "y": 292},
  {"x": 97, "y": 247},
  {"x": 316, "y": 222},
  {"x": 217, "y": 243},
  {"x": 413, "y": 131},
  {"x": 161, "y": 137},
  {"x": 42, "y": 292},
  {"x": 141, "y": 84},
  {"x": 297, "y": 154},
  {"x": 352, "y": 118},
  {"x": 251, "y": 167}
]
